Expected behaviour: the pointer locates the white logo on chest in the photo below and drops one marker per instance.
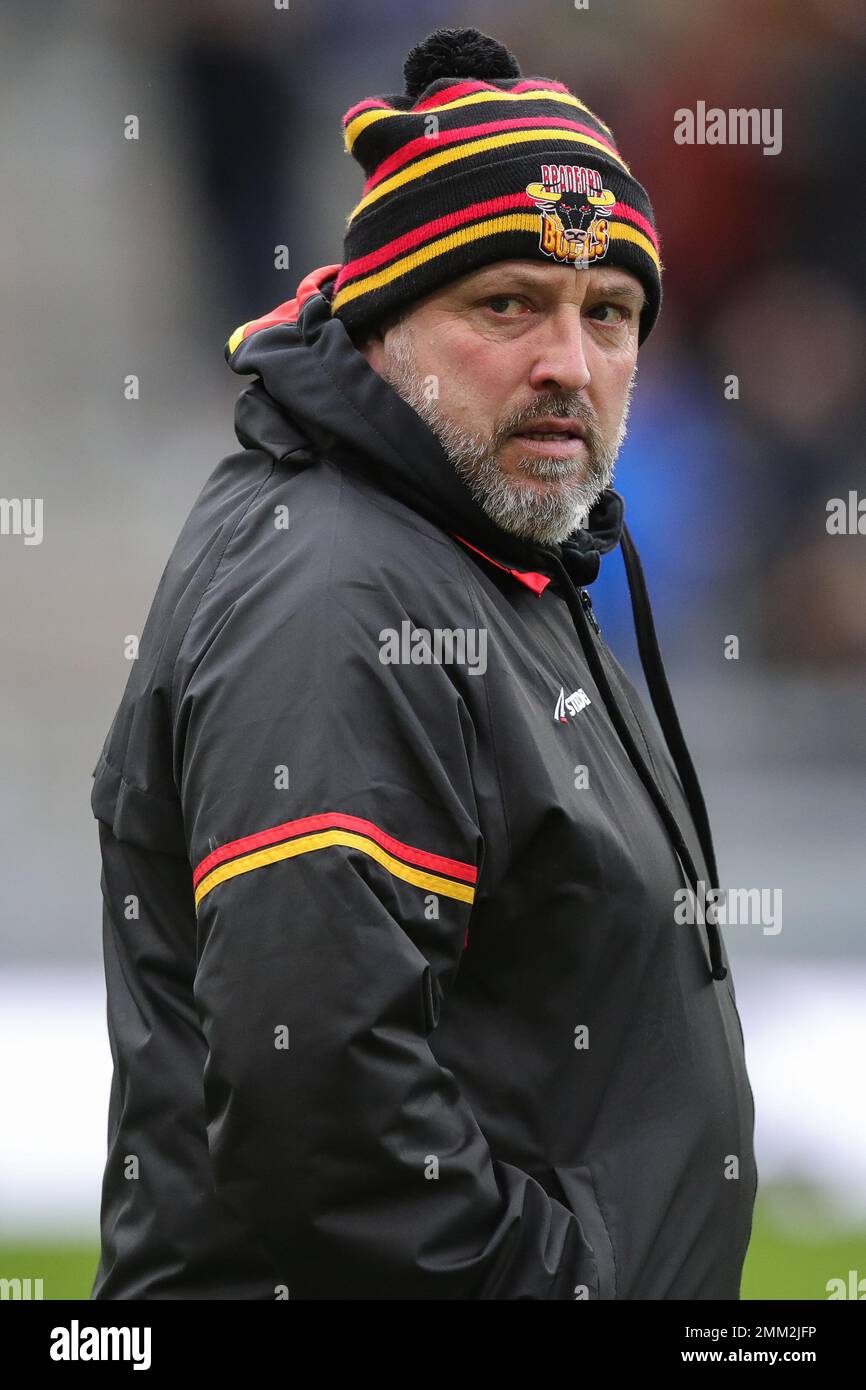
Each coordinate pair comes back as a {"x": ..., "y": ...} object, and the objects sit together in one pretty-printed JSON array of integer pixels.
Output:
[{"x": 568, "y": 705}]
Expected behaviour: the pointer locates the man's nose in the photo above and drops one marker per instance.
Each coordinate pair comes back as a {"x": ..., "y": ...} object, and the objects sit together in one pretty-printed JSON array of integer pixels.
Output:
[{"x": 560, "y": 357}]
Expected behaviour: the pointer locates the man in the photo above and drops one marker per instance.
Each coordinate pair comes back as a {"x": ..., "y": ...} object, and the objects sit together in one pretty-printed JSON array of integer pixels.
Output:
[{"x": 398, "y": 1004}]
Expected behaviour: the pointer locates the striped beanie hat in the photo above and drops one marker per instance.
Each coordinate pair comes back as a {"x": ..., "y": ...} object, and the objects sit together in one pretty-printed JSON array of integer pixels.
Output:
[{"x": 475, "y": 163}]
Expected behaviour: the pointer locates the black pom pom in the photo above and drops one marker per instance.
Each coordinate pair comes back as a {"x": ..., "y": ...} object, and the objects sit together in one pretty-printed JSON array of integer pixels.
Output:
[{"x": 457, "y": 53}]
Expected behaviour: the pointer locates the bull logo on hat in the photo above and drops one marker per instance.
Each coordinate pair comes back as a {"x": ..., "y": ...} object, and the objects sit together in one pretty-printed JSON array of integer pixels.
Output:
[{"x": 573, "y": 228}]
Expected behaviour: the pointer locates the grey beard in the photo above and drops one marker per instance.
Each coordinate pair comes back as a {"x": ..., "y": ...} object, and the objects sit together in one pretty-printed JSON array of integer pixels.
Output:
[
  {"x": 543, "y": 515},
  {"x": 546, "y": 515}
]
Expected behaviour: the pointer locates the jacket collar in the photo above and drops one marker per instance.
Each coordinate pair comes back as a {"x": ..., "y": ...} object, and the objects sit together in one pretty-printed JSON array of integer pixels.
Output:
[{"x": 531, "y": 578}]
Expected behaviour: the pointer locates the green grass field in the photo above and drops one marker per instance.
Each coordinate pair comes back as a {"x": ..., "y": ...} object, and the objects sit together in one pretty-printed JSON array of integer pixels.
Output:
[{"x": 778, "y": 1265}]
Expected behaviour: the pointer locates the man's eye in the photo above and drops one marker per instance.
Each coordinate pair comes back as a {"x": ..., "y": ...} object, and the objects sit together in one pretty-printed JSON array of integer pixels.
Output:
[
  {"x": 497, "y": 301},
  {"x": 620, "y": 312}
]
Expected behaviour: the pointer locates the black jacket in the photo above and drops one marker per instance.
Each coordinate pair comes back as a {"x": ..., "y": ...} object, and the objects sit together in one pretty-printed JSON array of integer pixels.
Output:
[{"x": 397, "y": 1003}]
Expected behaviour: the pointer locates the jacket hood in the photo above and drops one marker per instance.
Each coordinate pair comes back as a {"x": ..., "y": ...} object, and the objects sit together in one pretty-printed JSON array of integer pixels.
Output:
[{"x": 314, "y": 386}]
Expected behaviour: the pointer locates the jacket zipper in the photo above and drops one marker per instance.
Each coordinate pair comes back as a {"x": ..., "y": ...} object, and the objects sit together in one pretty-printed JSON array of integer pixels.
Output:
[{"x": 588, "y": 609}]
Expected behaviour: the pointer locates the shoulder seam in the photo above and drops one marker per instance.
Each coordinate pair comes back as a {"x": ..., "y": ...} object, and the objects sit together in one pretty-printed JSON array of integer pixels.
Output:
[{"x": 214, "y": 571}]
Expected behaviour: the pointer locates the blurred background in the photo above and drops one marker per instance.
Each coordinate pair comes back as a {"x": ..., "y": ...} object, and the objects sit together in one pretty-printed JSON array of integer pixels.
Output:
[{"x": 140, "y": 256}]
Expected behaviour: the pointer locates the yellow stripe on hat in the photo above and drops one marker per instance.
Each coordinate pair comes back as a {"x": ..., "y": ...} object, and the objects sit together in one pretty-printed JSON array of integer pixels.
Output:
[
  {"x": 367, "y": 118},
  {"x": 623, "y": 231},
  {"x": 508, "y": 222},
  {"x": 305, "y": 844},
  {"x": 471, "y": 147}
]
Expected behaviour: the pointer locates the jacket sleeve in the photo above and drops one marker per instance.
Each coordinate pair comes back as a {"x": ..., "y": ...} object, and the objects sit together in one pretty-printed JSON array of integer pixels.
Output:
[{"x": 335, "y": 842}]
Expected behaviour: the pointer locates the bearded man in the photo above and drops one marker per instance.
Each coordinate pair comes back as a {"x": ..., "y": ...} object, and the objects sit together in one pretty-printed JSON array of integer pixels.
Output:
[{"x": 403, "y": 1010}]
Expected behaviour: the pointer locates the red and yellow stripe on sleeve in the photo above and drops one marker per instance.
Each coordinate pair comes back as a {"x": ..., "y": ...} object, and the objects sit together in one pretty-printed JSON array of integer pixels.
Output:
[{"x": 433, "y": 872}]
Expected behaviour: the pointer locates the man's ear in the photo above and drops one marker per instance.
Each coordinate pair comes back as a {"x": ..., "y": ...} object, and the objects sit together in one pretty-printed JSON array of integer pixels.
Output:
[
  {"x": 369, "y": 342},
  {"x": 364, "y": 338},
  {"x": 387, "y": 322},
  {"x": 374, "y": 334}
]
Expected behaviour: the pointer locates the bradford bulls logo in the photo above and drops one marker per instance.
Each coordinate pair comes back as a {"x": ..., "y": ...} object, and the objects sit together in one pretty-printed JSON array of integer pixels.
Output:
[{"x": 573, "y": 228}]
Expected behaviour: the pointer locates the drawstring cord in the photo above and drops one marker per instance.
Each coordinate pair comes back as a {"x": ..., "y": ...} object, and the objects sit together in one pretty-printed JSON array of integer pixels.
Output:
[
  {"x": 662, "y": 700},
  {"x": 663, "y": 705}
]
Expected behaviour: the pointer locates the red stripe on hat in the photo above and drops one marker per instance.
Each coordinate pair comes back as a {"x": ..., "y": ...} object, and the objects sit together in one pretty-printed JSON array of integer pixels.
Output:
[
  {"x": 439, "y": 225},
  {"x": 460, "y": 89},
  {"x": 424, "y": 144},
  {"x": 533, "y": 85},
  {"x": 465, "y": 89},
  {"x": 370, "y": 104},
  {"x": 632, "y": 215}
]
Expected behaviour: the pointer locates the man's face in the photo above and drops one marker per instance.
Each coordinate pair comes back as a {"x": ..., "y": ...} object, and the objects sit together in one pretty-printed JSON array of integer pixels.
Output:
[{"x": 511, "y": 351}]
